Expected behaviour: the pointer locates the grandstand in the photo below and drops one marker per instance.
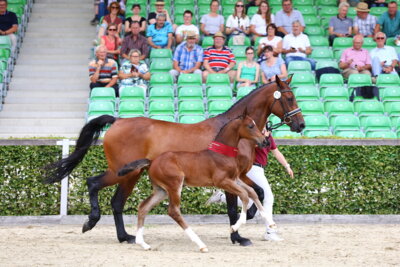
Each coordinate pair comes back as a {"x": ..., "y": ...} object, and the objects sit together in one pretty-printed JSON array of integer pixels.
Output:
[{"x": 56, "y": 104}]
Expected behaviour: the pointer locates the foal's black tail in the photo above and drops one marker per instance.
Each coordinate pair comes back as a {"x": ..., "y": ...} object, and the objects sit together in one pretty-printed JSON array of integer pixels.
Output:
[
  {"x": 134, "y": 165},
  {"x": 56, "y": 171}
]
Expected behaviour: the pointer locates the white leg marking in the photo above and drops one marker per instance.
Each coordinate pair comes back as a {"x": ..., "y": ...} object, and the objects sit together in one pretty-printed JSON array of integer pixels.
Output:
[
  {"x": 196, "y": 239},
  {"x": 140, "y": 240},
  {"x": 242, "y": 220}
]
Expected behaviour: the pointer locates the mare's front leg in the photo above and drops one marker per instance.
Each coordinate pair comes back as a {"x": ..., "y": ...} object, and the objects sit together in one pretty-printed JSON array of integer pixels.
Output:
[
  {"x": 145, "y": 207},
  {"x": 118, "y": 202}
]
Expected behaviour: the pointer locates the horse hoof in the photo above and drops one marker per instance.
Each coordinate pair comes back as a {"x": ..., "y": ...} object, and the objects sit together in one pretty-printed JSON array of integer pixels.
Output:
[
  {"x": 86, "y": 226},
  {"x": 130, "y": 239},
  {"x": 204, "y": 250},
  {"x": 235, "y": 237}
]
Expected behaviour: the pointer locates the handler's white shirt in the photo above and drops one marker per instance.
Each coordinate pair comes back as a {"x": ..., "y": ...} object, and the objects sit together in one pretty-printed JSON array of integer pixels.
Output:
[{"x": 299, "y": 41}]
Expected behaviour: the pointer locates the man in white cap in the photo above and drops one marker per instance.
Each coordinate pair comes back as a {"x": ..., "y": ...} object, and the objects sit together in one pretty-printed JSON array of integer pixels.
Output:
[{"x": 364, "y": 23}]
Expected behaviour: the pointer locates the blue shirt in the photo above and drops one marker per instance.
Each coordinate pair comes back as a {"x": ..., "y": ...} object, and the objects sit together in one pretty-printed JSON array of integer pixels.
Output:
[
  {"x": 269, "y": 72},
  {"x": 391, "y": 27},
  {"x": 187, "y": 59},
  {"x": 285, "y": 21},
  {"x": 159, "y": 36}
]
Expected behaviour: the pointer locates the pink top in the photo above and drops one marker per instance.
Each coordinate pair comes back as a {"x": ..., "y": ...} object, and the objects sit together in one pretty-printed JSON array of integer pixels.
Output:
[
  {"x": 110, "y": 45},
  {"x": 262, "y": 153},
  {"x": 360, "y": 57}
]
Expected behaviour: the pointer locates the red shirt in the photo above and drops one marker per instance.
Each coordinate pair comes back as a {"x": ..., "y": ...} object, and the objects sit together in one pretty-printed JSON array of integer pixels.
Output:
[{"x": 262, "y": 153}]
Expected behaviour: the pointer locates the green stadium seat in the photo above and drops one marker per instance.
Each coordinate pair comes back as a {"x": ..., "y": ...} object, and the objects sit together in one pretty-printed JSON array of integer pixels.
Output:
[
  {"x": 190, "y": 93},
  {"x": 161, "y": 93},
  {"x": 346, "y": 122},
  {"x": 5, "y": 42},
  {"x": 285, "y": 133},
  {"x": 160, "y": 65},
  {"x": 317, "y": 133},
  {"x": 378, "y": 11},
  {"x": 321, "y": 53},
  {"x": 184, "y": 2},
  {"x": 298, "y": 3},
  {"x": 191, "y": 107},
  {"x": 392, "y": 108},
  {"x": 334, "y": 94},
  {"x": 311, "y": 107},
  {"x": 307, "y": 93},
  {"x": 350, "y": 134},
  {"x": 387, "y": 80},
  {"x": 342, "y": 42},
  {"x": 207, "y": 41},
  {"x": 369, "y": 108},
  {"x": 162, "y": 107},
  {"x": 189, "y": 79},
  {"x": 219, "y": 93},
  {"x": 351, "y": 12},
  {"x": 376, "y": 123},
  {"x": 217, "y": 79},
  {"x": 128, "y": 109},
  {"x": 252, "y": 10},
  {"x": 332, "y": 3},
  {"x": 339, "y": 108},
  {"x": 102, "y": 94},
  {"x": 302, "y": 79},
  {"x": 314, "y": 31},
  {"x": 239, "y": 51},
  {"x": 381, "y": 134},
  {"x": 129, "y": 3},
  {"x": 316, "y": 122},
  {"x": 160, "y": 53},
  {"x": 318, "y": 41},
  {"x": 191, "y": 119},
  {"x": 169, "y": 118},
  {"x": 390, "y": 41},
  {"x": 202, "y": 10},
  {"x": 307, "y": 10},
  {"x": 218, "y": 106},
  {"x": 337, "y": 54},
  {"x": 311, "y": 20},
  {"x": 328, "y": 12},
  {"x": 356, "y": 80},
  {"x": 391, "y": 94},
  {"x": 98, "y": 108},
  {"x": 179, "y": 9},
  {"x": 331, "y": 80},
  {"x": 369, "y": 43},
  {"x": 299, "y": 66},
  {"x": 243, "y": 91},
  {"x": 131, "y": 93},
  {"x": 164, "y": 79},
  {"x": 322, "y": 63}
]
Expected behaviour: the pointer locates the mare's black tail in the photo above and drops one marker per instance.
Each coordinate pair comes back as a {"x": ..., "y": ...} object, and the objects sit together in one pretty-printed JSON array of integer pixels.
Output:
[
  {"x": 134, "y": 165},
  {"x": 56, "y": 171}
]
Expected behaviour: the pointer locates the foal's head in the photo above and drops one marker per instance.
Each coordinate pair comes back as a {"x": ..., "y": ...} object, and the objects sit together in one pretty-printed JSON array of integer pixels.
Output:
[
  {"x": 249, "y": 130},
  {"x": 285, "y": 106}
]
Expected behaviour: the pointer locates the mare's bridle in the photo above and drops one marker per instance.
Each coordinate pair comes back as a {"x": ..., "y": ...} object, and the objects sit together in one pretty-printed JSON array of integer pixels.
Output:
[{"x": 287, "y": 116}]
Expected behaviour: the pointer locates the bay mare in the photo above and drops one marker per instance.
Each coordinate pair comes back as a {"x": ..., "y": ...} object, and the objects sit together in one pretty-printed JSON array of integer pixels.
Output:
[{"x": 131, "y": 139}]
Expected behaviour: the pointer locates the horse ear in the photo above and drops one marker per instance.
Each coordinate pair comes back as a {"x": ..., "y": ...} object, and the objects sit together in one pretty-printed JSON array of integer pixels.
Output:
[
  {"x": 277, "y": 79},
  {"x": 244, "y": 113},
  {"x": 289, "y": 79}
]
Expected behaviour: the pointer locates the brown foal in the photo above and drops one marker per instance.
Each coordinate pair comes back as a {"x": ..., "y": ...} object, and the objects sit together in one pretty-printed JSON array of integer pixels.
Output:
[{"x": 215, "y": 166}]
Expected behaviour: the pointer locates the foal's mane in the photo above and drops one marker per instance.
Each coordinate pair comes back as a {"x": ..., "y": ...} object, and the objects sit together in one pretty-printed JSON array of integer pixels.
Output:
[{"x": 228, "y": 122}]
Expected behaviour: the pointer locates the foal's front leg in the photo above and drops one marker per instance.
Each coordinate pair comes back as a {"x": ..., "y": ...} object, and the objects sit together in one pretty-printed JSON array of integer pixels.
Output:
[{"x": 253, "y": 195}]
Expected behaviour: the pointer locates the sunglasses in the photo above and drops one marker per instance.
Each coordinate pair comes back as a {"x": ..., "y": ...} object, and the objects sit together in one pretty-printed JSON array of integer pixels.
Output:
[
  {"x": 249, "y": 53},
  {"x": 114, "y": 30},
  {"x": 239, "y": 5},
  {"x": 380, "y": 38},
  {"x": 114, "y": 7}
]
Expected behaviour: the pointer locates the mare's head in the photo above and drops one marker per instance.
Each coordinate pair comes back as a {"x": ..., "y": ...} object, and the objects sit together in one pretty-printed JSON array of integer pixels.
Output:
[
  {"x": 285, "y": 106},
  {"x": 249, "y": 130}
]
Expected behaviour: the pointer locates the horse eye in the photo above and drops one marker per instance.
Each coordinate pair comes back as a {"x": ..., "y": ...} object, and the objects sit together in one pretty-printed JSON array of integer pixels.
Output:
[{"x": 251, "y": 126}]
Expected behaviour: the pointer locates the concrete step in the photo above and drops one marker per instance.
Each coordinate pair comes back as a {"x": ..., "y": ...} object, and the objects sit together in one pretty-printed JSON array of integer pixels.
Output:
[
  {"x": 45, "y": 101},
  {"x": 61, "y": 75},
  {"x": 64, "y": 34},
  {"x": 45, "y": 94},
  {"x": 49, "y": 107},
  {"x": 47, "y": 122},
  {"x": 53, "y": 86},
  {"x": 46, "y": 68},
  {"x": 57, "y": 42},
  {"x": 37, "y": 49},
  {"x": 26, "y": 58},
  {"x": 43, "y": 114}
]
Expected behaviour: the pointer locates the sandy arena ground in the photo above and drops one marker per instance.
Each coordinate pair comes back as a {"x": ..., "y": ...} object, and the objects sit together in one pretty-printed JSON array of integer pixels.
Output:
[{"x": 304, "y": 245}]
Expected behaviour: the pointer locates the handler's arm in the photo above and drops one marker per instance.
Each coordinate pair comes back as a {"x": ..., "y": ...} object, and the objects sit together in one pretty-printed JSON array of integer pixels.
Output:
[{"x": 279, "y": 156}]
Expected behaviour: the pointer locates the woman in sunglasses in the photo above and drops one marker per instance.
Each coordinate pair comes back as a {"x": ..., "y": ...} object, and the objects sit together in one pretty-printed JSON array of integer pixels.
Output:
[
  {"x": 113, "y": 17},
  {"x": 238, "y": 23},
  {"x": 112, "y": 41}
]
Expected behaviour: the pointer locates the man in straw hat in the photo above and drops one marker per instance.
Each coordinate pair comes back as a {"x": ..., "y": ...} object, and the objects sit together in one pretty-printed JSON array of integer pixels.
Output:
[
  {"x": 364, "y": 23},
  {"x": 188, "y": 57},
  {"x": 219, "y": 58}
]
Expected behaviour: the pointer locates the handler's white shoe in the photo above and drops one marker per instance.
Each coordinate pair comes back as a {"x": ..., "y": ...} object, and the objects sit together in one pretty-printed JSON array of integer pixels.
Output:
[
  {"x": 272, "y": 234},
  {"x": 215, "y": 198}
]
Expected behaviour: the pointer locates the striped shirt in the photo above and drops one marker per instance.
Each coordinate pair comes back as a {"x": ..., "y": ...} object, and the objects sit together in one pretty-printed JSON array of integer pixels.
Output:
[
  {"x": 219, "y": 58},
  {"x": 187, "y": 59},
  {"x": 107, "y": 71},
  {"x": 365, "y": 26}
]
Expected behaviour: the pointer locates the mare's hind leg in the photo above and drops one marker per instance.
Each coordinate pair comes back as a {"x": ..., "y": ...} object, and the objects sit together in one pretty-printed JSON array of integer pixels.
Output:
[
  {"x": 118, "y": 202},
  {"x": 175, "y": 212},
  {"x": 148, "y": 204}
]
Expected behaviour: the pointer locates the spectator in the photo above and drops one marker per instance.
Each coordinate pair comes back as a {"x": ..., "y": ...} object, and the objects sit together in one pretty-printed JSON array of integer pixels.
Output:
[
  {"x": 111, "y": 41},
  {"x": 285, "y": 18},
  {"x": 340, "y": 25},
  {"x": 113, "y": 17},
  {"x": 159, "y": 10},
  {"x": 355, "y": 59},
  {"x": 187, "y": 27},
  {"x": 121, "y": 4},
  {"x": 103, "y": 70},
  {"x": 252, "y": 3},
  {"x": 188, "y": 57},
  {"x": 384, "y": 58},
  {"x": 272, "y": 40},
  {"x": 95, "y": 20},
  {"x": 212, "y": 22},
  {"x": 376, "y": 3},
  {"x": 259, "y": 22},
  {"x": 364, "y": 23},
  {"x": 133, "y": 72},
  {"x": 296, "y": 46},
  {"x": 8, "y": 23},
  {"x": 272, "y": 66},
  {"x": 159, "y": 35},
  {"x": 135, "y": 41},
  {"x": 389, "y": 22},
  {"x": 219, "y": 58},
  {"x": 238, "y": 23},
  {"x": 248, "y": 71},
  {"x": 135, "y": 17}
]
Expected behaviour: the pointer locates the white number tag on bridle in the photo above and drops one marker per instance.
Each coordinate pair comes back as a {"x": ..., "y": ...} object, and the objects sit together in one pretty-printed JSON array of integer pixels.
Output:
[{"x": 277, "y": 95}]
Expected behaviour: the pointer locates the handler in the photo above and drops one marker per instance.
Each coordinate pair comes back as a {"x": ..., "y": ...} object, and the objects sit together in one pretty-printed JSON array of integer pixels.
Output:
[{"x": 257, "y": 175}]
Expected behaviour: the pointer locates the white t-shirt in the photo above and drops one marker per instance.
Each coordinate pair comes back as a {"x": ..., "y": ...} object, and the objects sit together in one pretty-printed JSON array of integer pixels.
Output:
[
  {"x": 212, "y": 23},
  {"x": 274, "y": 42},
  {"x": 185, "y": 29},
  {"x": 237, "y": 22},
  {"x": 259, "y": 22},
  {"x": 299, "y": 41}
]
